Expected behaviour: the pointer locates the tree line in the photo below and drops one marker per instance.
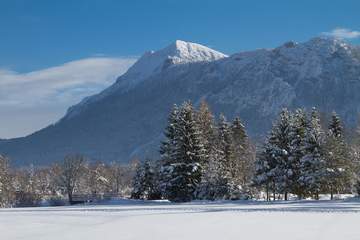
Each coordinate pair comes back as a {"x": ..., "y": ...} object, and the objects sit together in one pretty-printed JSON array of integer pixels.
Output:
[
  {"x": 207, "y": 158},
  {"x": 71, "y": 181},
  {"x": 201, "y": 158},
  {"x": 301, "y": 158}
]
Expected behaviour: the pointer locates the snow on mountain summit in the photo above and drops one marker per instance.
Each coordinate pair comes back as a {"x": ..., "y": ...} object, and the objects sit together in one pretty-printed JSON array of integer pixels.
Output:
[
  {"x": 179, "y": 52},
  {"x": 153, "y": 62},
  {"x": 193, "y": 52}
]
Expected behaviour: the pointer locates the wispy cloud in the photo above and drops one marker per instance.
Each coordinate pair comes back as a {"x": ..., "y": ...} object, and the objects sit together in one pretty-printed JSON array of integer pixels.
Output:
[
  {"x": 343, "y": 33},
  {"x": 49, "y": 92}
]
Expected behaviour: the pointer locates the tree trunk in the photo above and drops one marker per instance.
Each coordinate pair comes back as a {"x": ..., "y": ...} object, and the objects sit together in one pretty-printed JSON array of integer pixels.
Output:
[
  {"x": 317, "y": 196},
  {"x": 274, "y": 194},
  {"x": 331, "y": 193},
  {"x": 286, "y": 196},
  {"x": 117, "y": 188},
  {"x": 70, "y": 196}
]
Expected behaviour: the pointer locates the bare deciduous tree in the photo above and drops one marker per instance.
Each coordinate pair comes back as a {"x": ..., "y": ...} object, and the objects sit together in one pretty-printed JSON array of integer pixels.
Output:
[
  {"x": 71, "y": 170},
  {"x": 6, "y": 188}
]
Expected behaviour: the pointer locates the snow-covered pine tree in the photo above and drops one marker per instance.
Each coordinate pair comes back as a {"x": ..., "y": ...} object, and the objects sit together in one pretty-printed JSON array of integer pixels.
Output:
[
  {"x": 186, "y": 155},
  {"x": 297, "y": 137},
  {"x": 280, "y": 144},
  {"x": 137, "y": 184},
  {"x": 168, "y": 146},
  {"x": 312, "y": 168},
  {"x": 168, "y": 149},
  {"x": 242, "y": 168},
  {"x": 226, "y": 143},
  {"x": 356, "y": 159},
  {"x": 225, "y": 159},
  {"x": 144, "y": 183},
  {"x": 272, "y": 168},
  {"x": 265, "y": 170},
  {"x": 339, "y": 174},
  {"x": 155, "y": 192},
  {"x": 335, "y": 126},
  {"x": 239, "y": 133}
]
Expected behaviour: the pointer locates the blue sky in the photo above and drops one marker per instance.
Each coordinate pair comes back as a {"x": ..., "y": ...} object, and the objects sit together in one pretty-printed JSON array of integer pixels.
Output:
[
  {"x": 39, "y": 33},
  {"x": 46, "y": 43}
]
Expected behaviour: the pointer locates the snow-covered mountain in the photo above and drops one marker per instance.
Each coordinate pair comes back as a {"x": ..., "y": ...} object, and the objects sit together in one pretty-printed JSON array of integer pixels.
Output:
[
  {"x": 152, "y": 63},
  {"x": 127, "y": 119}
]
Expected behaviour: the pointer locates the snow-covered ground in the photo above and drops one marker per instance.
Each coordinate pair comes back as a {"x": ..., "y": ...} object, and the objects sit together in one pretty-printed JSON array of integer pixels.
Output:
[{"x": 197, "y": 220}]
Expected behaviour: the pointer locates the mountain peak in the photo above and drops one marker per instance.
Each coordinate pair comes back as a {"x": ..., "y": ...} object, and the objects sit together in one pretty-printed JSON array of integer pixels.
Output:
[
  {"x": 179, "y": 52},
  {"x": 323, "y": 47},
  {"x": 180, "y": 43},
  {"x": 184, "y": 52},
  {"x": 328, "y": 42}
]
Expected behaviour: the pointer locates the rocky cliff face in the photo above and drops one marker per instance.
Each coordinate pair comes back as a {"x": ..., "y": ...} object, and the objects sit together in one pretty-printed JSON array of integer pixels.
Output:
[{"x": 127, "y": 119}]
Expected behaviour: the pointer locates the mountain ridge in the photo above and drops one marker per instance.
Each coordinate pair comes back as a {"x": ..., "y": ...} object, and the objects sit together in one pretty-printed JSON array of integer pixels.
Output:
[
  {"x": 127, "y": 122},
  {"x": 152, "y": 62}
]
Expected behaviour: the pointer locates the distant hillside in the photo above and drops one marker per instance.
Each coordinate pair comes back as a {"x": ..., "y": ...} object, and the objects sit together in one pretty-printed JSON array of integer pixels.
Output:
[{"x": 127, "y": 119}]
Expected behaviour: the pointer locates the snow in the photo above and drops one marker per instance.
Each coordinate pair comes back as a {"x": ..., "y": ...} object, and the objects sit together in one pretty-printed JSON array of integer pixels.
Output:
[
  {"x": 152, "y": 62},
  {"x": 179, "y": 52},
  {"x": 127, "y": 220}
]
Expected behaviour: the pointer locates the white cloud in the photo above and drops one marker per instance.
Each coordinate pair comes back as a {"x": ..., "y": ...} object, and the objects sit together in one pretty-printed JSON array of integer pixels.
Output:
[
  {"x": 343, "y": 33},
  {"x": 39, "y": 98}
]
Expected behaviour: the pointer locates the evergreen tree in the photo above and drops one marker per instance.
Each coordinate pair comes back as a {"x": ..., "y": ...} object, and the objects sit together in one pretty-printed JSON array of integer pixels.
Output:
[
  {"x": 280, "y": 142},
  {"x": 168, "y": 146},
  {"x": 184, "y": 155},
  {"x": 297, "y": 137},
  {"x": 356, "y": 159},
  {"x": 266, "y": 170},
  {"x": 225, "y": 160},
  {"x": 225, "y": 144},
  {"x": 273, "y": 169},
  {"x": 156, "y": 192},
  {"x": 137, "y": 183},
  {"x": 335, "y": 127},
  {"x": 239, "y": 134},
  {"x": 168, "y": 149},
  {"x": 145, "y": 185},
  {"x": 338, "y": 163},
  {"x": 312, "y": 168}
]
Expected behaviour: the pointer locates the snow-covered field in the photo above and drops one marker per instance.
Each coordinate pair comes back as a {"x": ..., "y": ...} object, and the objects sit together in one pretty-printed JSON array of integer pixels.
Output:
[{"x": 198, "y": 220}]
